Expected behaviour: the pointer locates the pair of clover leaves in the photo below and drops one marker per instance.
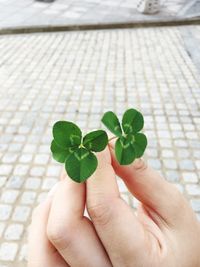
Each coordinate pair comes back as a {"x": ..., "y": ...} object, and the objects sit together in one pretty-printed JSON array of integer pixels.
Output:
[{"x": 77, "y": 152}]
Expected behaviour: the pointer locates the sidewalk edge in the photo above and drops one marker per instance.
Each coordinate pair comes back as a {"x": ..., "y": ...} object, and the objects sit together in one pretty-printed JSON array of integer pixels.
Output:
[{"x": 83, "y": 27}]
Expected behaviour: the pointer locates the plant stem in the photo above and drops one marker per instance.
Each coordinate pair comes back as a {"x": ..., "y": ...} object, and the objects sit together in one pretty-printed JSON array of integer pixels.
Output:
[{"x": 112, "y": 138}]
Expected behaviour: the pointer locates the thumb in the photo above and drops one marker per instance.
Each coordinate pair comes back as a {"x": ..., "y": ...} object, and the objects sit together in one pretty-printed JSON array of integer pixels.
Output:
[{"x": 146, "y": 184}]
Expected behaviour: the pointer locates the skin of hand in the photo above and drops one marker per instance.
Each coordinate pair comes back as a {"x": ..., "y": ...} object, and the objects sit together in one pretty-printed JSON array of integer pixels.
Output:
[{"x": 164, "y": 231}]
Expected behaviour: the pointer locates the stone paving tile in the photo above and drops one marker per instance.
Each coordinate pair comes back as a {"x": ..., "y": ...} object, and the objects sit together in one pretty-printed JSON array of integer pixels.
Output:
[
  {"x": 67, "y": 12},
  {"x": 77, "y": 76}
]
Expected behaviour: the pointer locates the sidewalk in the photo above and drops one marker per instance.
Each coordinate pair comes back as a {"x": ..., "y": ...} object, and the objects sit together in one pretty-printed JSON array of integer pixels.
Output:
[
  {"x": 30, "y": 13},
  {"x": 77, "y": 76}
]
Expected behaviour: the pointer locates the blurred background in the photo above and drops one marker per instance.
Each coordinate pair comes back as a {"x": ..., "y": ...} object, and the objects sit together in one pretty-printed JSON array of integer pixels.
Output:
[{"x": 131, "y": 58}]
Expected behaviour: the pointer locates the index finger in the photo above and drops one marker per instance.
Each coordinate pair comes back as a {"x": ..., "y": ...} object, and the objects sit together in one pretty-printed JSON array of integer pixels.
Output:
[
  {"x": 114, "y": 221},
  {"x": 149, "y": 187}
]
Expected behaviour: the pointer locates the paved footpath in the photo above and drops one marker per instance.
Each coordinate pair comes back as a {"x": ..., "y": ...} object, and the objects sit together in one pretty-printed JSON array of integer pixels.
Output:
[
  {"x": 77, "y": 76},
  {"x": 24, "y": 13}
]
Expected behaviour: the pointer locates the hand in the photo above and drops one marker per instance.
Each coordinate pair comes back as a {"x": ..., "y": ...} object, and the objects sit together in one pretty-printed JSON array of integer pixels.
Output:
[
  {"x": 164, "y": 233},
  {"x": 60, "y": 236}
]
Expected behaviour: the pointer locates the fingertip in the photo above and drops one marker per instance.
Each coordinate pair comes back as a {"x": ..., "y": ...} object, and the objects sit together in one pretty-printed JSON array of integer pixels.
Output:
[
  {"x": 138, "y": 164},
  {"x": 102, "y": 183}
]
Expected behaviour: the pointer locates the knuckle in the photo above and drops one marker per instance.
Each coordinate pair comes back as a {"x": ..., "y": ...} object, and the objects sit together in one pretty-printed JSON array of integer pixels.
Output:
[
  {"x": 60, "y": 236},
  {"x": 100, "y": 213},
  {"x": 140, "y": 165}
]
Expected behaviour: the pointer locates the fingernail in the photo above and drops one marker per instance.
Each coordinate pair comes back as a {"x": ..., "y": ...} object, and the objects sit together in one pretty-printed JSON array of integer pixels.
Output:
[{"x": 53, "y": 190}]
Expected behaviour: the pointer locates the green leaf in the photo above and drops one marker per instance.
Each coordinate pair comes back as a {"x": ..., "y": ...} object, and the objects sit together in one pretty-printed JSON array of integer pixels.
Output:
[
  {"x": 124, "y": 150},
  {"x": 96, "y": 140},
  {"x": 111, "y": 121},
  {"x": 81, "y": 164},
  {"x": 60, "y": 154},
  {"x": 140, "y": 144},
  {"x": 67, "y": 134},
  {"x": 132, "y": 121}
]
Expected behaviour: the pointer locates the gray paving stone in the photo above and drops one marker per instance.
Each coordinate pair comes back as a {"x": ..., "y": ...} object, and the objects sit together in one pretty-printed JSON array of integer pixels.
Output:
[
  {"x": 195, "y": 204},
  {"x": 155, "y": 163},
  {"x": 5, "y": 169},
  {"x": 190, "y": 177},
  {"x": 8, "y": 251},
  {"x": 29, "y": 148},
  {"x": 186, "y": 164},
  {"x": 193, "y": 190},
  {"x": 166, "y": 143},
  {"x": 53, "y": 171},
  {"x": 9, "y": 158},
  {"x": 9, "y": 196},
  {"x": 177, "y": 134},
  {"x": 170, "y": 164},
  {"x": 41, "y": 159},
  {"x": 181, "y": 143},
  {"x": 167, "y": 153},
  {"x": 21, "y": 213},
  {"x": 37, "y": 171},
  {"x": 14, "y": 232},
  {"x": 152, "y": 152},
  {"x": 25, "y": 158},
  {"x": 32, "y": 183},
  {"x": 15, "y": 182},
  {"x": 5, "y": 211},
  {"x": 14, "y": 147},
  {"x": 21, "y": 170},
  {"x": 172, "y": 176},
  {"x": 28, "y": 197},
  {"x": 183, "y": 153}
]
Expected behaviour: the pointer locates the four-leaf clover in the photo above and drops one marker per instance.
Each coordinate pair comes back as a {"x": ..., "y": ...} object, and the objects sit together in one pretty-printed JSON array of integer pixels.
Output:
[
  {"x": 130, "y": 144},
  {"x": 76, "y": 152}
]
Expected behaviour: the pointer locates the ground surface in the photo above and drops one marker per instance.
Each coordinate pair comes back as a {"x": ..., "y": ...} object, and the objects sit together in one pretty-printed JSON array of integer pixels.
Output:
[
  {"x": 24, "y": 13},
  {"x": 77, "y": 76}
]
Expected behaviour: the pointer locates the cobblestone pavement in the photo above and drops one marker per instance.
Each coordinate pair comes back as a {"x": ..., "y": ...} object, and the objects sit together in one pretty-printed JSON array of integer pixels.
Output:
[
  {"x": 191, "y": 37},
  {"x": 77, "y": 76},
  {"x": 22, "y": 13}
]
